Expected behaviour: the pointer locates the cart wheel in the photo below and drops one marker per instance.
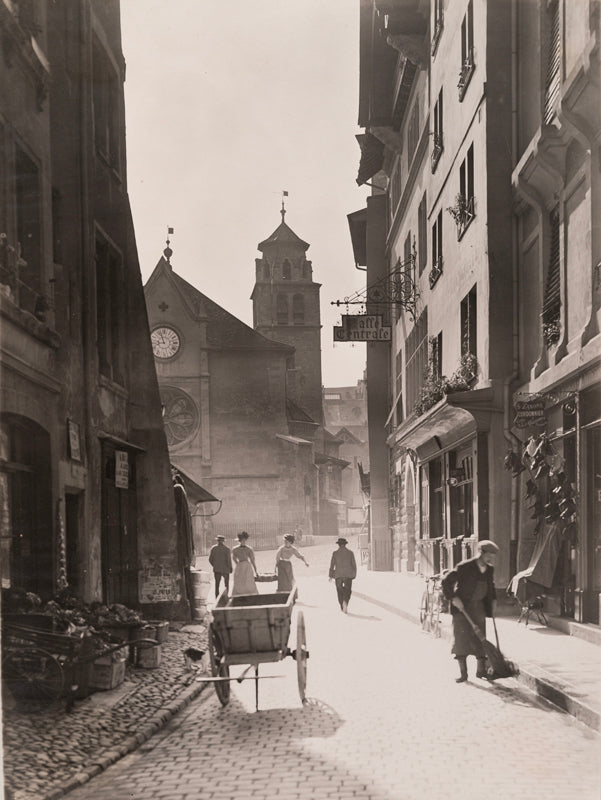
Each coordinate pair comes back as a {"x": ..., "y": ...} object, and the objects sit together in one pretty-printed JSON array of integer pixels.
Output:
[
  {"x": 301, "y": 656},
  {"x": 32, "y": 674},
  {"x": 219, "y": 670}
]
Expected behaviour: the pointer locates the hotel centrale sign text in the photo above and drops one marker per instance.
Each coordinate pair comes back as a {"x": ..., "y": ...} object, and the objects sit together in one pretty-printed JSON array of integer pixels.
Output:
[{"x": 362, "y": 328}]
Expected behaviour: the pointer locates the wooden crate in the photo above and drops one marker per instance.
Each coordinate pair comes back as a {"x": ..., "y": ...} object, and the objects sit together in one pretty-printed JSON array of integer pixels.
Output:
[{"x": 107, "y": 672}]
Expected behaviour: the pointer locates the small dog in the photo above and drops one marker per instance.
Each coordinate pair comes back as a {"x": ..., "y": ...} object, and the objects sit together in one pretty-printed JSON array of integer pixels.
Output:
[{"x": 196, "y": 659}]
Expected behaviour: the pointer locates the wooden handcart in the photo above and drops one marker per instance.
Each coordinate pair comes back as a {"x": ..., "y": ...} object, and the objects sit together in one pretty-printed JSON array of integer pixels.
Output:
[
  {"x": 42, "y": 665},
  {"x": 252, "y": 630}
]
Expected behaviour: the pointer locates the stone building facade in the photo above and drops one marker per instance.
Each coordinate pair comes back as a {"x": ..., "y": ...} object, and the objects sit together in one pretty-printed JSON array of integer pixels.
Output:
[
  {"x": 482, "y": 124},
  {"x": 85, "y": 482}
]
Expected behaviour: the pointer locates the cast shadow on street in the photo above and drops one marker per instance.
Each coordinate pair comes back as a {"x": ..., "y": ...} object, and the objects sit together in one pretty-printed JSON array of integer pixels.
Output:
[
  {"x": 364, "y": 616},
  {"x": 514, "y": 694}
]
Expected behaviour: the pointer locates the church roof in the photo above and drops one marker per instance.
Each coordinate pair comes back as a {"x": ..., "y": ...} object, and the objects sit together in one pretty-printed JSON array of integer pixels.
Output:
[
  {"x": 224, "y": 330},
  {"x": 283, "y": 235}
]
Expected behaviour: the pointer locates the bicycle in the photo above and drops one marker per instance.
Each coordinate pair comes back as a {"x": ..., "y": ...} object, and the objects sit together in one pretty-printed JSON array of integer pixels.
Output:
[{"x": 431, "y": 605}]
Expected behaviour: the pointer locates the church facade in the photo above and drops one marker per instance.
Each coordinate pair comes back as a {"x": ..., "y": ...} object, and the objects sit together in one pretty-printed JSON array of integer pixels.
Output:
[{"x": 242, "y": 406}]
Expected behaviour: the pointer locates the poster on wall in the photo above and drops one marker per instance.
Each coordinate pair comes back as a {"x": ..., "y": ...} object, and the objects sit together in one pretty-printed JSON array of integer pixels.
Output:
[{"x": 121, "y": 469}]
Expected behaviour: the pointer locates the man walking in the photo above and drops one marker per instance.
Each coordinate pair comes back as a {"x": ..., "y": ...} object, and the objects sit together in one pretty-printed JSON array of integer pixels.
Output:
[
  {"x": 343, "y": 569},
  {"x": 220, "y": 558}
]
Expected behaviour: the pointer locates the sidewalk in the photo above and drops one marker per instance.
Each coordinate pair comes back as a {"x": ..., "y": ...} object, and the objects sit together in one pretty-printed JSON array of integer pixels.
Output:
[{"x": 564, "y": 669}]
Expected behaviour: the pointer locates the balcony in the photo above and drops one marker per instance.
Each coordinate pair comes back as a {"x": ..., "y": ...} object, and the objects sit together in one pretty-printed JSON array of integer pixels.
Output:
[
  {"x": 437, "y": 33},
  {"x": 465, "y": 75},
  {"x": 435, "y": 272},
  {"x": 463, "y": 213},
  {"x": 437, "y": 148}
]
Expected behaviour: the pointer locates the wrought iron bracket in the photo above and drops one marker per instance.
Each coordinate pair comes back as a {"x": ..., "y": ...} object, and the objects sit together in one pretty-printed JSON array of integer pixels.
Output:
[{"x": 396, "y": 288}]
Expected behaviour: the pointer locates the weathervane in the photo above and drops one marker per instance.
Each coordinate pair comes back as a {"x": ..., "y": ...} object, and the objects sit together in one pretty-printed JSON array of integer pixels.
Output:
[
  {"x": 283, "y": 209},
  {"x": 168, "y": 252}
]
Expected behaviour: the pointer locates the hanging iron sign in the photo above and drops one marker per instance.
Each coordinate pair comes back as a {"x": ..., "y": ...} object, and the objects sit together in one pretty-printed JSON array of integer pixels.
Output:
[
  {"x": 362, "y": 328},
  {"x": 529, "y": 412}
]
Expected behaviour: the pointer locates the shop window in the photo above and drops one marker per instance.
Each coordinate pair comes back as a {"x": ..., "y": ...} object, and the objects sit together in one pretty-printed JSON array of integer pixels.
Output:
[
  {"x": 281, "y": 309},
  {"x": 461, "y": 496},
  {"x": 437, "y": 496},
  {"x": 110, "y": 323},
  {"x": 26, "y": 542}
]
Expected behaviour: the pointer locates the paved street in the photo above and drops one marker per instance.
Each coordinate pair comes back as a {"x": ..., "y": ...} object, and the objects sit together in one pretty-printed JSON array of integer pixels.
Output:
[{"x": 385, "y": 721}]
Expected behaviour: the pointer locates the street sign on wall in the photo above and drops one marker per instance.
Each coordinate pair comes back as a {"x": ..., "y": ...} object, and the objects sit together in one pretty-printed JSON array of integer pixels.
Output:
[
  {"x": 362, "y": 328},
  {"x": 529, "y": 412}
]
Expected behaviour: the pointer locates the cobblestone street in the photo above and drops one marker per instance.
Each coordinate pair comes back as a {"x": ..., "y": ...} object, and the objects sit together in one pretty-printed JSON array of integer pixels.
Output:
[{"x": 385, "y": 721}]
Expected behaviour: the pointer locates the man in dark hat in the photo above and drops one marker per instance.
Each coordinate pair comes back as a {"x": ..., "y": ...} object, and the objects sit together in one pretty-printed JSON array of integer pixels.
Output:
[
  {"x": 343, "y": 569},
  {"x": 220, "y": 558}
]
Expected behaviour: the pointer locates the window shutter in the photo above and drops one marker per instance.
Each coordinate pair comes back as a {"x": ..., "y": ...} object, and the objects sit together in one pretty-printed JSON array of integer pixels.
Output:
[
  {"x": 552, "y": 300},
  {"x": 552, "y": 82}
]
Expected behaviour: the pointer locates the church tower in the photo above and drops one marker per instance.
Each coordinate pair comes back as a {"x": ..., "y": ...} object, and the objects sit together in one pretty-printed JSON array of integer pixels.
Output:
[{"x": 286, "y": 309}]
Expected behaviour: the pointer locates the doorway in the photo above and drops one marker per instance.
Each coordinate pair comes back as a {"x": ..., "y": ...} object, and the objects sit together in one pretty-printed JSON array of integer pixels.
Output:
[{"x": 119, "y": 527}]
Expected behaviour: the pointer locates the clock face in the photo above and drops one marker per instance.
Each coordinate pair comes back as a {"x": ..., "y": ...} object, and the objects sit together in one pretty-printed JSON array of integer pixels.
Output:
[{"x": 165, "y": 342}]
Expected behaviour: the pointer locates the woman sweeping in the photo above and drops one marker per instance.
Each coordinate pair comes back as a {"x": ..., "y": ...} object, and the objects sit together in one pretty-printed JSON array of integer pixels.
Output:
[
  {"x": 283, "y": 567},
  {"x": 470, "y": 587},
  {"x": 245, "y": 570}
]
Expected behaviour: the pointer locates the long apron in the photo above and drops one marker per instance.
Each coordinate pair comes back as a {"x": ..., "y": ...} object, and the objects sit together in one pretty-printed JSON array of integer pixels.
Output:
[
  {"x": 244, "y": 579},
  {"x": 465, "y": 641},
  {"x": 285, "y": 575}
]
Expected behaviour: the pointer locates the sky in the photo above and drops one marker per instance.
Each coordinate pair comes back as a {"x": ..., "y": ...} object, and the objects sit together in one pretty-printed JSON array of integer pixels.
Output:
[{"x": 228, "y": 104}]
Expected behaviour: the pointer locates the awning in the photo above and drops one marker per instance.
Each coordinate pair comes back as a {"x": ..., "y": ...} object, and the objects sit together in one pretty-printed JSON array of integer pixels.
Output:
[
  {"x": 372, "y": 158},
  {"x": 357, "y": 222},
  {"x": 450, "y": 420},
  {"x": 194, "y": 491}
]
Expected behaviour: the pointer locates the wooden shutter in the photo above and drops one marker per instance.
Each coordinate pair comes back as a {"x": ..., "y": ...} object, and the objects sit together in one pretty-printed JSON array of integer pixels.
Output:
[
  {"x": 552, "y": 300},
  {"x": 553, "y": 79}
]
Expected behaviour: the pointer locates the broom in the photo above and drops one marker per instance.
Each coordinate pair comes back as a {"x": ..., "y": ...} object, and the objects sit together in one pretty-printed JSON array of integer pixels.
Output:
[{"x": 497, "y": 666}]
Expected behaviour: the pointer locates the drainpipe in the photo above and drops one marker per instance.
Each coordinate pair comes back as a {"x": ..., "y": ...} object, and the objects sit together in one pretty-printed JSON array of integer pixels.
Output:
[{"x": 511, "y": 438}]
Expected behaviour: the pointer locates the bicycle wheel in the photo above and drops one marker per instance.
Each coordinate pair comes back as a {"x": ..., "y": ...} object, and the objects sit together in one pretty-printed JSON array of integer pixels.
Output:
[
  {"x": 424, "y": 611},
  {"x": 32, "y": 674},
  {"x": 435, "y": 624}
]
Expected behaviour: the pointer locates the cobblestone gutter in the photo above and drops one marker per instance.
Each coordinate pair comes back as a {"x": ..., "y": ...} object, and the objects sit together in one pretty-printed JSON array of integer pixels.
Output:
[{"x": 50, "y": 752}]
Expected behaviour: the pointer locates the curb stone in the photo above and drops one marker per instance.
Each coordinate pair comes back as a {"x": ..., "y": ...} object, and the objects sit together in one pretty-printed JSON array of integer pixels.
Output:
[{"x": 159, "y": 720}]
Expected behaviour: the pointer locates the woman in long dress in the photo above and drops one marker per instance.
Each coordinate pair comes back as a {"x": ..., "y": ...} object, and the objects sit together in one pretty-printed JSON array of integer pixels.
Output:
[
  {"x": 283, "y": 565},
  {"x": 245, "y": 567}
]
